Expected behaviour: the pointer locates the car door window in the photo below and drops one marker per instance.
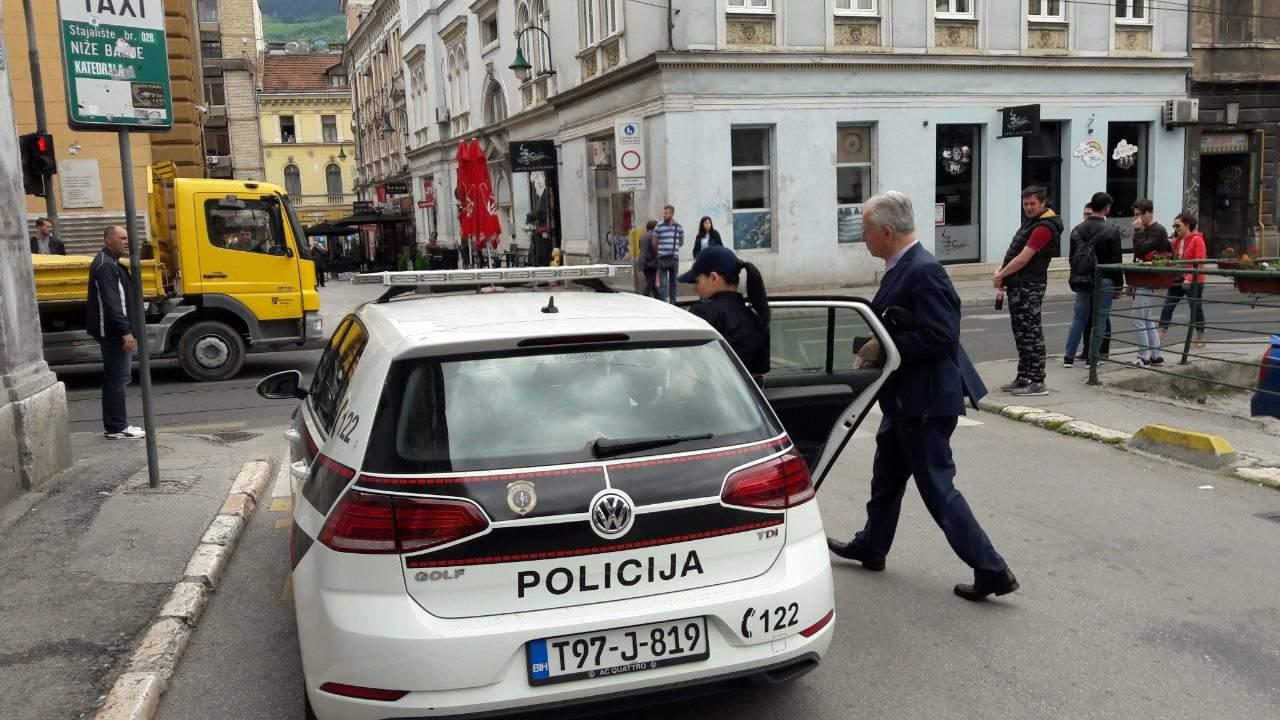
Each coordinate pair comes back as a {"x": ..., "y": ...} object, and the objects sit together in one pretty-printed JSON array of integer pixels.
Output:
[
  {"x": 813, "y": 386},
  {"x": 251, "y": 226},
  {"x": 335, "y": 370}
]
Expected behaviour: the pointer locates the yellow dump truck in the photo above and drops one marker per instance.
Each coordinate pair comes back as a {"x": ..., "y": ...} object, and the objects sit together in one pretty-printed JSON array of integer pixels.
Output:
[{"x": 225, "y": 272}]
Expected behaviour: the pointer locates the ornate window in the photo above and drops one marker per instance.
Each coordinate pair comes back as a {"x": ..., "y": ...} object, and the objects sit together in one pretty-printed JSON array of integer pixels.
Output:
[
  {"x": 333, "y": 181},
  {"x": 495, "y": 104},
  {"x": 292, "y": 180}
]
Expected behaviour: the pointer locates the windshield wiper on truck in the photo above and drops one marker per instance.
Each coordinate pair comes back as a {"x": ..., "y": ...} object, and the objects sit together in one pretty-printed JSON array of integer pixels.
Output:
[{"x": 605, "y": 447}]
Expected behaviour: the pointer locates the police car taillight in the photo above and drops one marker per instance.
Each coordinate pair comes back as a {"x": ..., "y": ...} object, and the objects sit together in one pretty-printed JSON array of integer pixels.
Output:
[
  {"x": 777, "y": 484},
  {"x": 373, "y": 524}
]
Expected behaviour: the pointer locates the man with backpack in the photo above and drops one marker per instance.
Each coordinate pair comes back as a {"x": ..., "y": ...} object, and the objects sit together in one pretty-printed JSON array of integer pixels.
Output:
[{"x": 1094, "y": 242}]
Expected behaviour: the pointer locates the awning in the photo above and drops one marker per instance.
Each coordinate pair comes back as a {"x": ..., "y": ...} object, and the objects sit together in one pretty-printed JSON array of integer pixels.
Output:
[
  {"x": 328, "y": 229},
  {"x": 373, "y": 218}
]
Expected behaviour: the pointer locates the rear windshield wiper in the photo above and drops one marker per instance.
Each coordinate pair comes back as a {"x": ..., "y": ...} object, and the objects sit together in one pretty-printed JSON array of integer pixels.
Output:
[{"x": 609, "y": 447}]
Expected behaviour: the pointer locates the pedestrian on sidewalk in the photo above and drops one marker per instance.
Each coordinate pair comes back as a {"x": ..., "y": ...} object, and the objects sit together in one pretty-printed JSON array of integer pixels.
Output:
[
  {"x": 921, "y": 403},
  {"x": 1025, "y": 276},
  {"x": 107, "y": 320},
  {"x": 1150, "y": 240},
  {"x": 649, "y": 259},
  {"x": 742, "y": 322},
  {"x": 44, "y": 242},
  {"x": 1188, "y": 244},
  {"x": 320, "y": 257},
  {"x": 1094, "y": 242},
  {"x": 670, "y": 239},
  {"x": 707, "y": 236}
]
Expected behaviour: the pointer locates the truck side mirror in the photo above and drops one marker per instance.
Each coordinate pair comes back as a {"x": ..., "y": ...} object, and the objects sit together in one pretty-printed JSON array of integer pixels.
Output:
[{"x": 284, "y": 385}]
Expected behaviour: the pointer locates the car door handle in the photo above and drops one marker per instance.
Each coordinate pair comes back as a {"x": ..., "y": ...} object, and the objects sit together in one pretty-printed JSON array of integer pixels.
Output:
[
  {"x": 215, "y": 276},
  {"x": 300, "y": 470},
  {"x": 292, "y": 435}
]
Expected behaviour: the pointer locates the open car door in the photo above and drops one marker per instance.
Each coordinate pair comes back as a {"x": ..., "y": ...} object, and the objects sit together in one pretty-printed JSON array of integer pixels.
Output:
[{"x": 813, "y": 387}]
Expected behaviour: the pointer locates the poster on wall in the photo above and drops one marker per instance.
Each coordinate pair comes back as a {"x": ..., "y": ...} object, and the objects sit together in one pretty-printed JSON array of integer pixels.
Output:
[
  {"x": 849, "y": 224},
  {"x": 753, "y": 230},
  {"x": 81, "y": 183}
]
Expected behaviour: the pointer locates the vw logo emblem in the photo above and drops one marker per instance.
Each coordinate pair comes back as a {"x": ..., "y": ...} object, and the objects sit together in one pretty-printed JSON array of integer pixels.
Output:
[{"x": 612, "y": 514}]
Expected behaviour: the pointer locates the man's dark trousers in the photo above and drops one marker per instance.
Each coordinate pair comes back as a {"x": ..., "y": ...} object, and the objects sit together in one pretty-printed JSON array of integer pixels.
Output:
[
  {"x": 921, "y": 447},
  {"x": 117, "y": 366}
]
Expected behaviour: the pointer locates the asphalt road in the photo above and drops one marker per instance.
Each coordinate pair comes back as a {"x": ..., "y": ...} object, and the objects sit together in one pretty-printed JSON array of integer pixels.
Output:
[
  {"x": 232, "y": 405},
  {"x": 1142, "y": 597}
]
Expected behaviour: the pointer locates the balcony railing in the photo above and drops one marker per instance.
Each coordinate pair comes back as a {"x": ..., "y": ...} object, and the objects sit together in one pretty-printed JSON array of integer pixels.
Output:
[{"x": 308, "y": 201}]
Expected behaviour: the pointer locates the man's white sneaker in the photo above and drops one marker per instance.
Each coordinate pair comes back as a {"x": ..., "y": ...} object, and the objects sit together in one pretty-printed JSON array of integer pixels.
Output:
[{"x": 129, "y": 433}]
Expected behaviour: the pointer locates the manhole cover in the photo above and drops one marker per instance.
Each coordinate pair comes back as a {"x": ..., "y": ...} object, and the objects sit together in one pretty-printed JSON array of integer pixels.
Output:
[{"x": 233, "y": 437}]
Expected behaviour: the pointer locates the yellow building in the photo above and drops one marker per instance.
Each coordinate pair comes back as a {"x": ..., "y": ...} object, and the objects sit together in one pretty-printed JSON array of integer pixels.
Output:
[
  {"x": 306, "y": 133},
  {"x": 91, "y": 160}
]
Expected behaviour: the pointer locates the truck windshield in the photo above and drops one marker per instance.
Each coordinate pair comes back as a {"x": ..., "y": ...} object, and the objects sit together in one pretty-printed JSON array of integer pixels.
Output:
[{"x": 295, "y": 227}]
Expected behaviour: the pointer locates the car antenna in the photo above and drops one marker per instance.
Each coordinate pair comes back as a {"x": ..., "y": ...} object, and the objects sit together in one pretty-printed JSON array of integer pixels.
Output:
[{"x": 551, "y": 305}]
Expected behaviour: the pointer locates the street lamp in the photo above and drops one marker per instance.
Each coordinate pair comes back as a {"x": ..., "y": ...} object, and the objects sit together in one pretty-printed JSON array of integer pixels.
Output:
[
  {"x": 342, "y": 153},
  {"x": 520, "y": 66}
]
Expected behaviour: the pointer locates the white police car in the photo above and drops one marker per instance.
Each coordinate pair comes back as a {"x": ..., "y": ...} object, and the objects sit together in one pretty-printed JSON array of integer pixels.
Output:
[{"x": 519, "y": 500}]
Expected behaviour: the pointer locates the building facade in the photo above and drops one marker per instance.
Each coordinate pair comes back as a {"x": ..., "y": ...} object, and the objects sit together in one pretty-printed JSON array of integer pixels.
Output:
[
  {"x": 91, "y": 160},
  {"x": 1232, "y": 147},
  {"x": 232, "y": 46},
  {"x": 779, "y": 118},
  {"x": 306, "y": 131},
  {"x": 375, "y": 66}
]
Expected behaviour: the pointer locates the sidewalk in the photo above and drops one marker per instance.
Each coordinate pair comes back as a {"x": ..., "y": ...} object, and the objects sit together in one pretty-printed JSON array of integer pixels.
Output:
[
  {"x": 1108, "y": 406},
  {"x": 87, "y": 562}
]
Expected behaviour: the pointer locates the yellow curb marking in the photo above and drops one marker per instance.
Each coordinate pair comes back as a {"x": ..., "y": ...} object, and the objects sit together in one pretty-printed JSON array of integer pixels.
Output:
[
  {"x": 1188, "y": 439},
  {"x": 283, "y": 523},
  {"x": 281, "y": 504},
  {"x": 286, "y": 592}
]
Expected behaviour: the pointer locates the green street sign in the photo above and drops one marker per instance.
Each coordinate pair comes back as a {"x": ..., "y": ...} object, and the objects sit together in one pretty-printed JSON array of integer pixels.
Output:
[{"x": 116, "y": 64}]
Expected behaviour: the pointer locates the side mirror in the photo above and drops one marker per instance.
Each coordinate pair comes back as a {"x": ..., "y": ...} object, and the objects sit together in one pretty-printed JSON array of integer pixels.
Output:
[{"x": 284, "y": 385}]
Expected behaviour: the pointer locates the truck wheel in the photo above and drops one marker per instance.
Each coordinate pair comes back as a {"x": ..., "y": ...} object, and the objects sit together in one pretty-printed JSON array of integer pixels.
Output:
[{"x": 211, "y": 350}]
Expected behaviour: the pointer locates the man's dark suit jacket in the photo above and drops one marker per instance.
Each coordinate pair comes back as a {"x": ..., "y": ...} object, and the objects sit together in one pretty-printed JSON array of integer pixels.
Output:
[
  {"x": 55, "y": 246},
  {"x": 935, "y": 376}
]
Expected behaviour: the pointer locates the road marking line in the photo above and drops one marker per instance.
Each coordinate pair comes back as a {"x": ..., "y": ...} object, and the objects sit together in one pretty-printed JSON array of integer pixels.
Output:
[
  {"x": 206, "y": 427},
  {"x": 284, "y": 523}
]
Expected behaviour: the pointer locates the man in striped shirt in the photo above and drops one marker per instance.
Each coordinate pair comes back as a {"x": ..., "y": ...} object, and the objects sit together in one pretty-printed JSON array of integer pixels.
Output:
[{"x": 669, "y": 236}]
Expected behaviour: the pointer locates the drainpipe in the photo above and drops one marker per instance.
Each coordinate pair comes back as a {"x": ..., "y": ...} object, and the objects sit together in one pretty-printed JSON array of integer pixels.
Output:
[
  {"x": 1262, "y": 184},
  {"x": 671, "y": 26}
]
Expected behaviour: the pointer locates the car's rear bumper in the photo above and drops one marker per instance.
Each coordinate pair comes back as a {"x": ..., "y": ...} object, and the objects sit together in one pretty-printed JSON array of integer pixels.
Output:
[{"x": 476, "y": 667}]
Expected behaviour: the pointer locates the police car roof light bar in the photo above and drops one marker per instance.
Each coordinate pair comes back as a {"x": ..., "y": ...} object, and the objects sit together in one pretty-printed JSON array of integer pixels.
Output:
[{"x": 488, "y": 276}]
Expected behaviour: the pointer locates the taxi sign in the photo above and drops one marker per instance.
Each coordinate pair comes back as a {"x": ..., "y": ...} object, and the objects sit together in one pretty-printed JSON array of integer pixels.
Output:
[{"x": 116, "y": 64}]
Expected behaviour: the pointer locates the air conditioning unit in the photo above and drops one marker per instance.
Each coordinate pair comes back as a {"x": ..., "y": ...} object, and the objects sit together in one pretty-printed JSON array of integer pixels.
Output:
[
  {"x": 442, "y": 114},
  {"x": 1181, "y": 112}
]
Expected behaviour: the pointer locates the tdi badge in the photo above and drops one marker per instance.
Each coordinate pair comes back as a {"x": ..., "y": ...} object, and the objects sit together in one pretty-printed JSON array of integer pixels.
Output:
[{"x": 521, "y": 497}]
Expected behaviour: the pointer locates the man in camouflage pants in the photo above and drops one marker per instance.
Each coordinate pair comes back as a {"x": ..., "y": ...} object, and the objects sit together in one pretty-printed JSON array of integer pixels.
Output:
[{"x": 1024, "y": 276}]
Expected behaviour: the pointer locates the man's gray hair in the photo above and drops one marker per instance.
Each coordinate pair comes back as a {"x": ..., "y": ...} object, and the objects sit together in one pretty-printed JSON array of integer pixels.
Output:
[{"x": 893, "y": 209}]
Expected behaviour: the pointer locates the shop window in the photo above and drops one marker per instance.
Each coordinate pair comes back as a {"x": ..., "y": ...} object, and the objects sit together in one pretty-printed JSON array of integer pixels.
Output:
[
  {"x": 855, "y": 179},
  {"x": 958, "y": 194},
  {"x": 1127, "y": 161},
  {"x": 329, "y": 128},
  {"x": 752, "y": 152}
]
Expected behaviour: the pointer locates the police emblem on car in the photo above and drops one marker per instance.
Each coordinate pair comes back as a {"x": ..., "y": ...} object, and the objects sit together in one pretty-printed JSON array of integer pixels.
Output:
[
  {"x": 522, "y": 498},
  {"x": 612, "y": 513}
]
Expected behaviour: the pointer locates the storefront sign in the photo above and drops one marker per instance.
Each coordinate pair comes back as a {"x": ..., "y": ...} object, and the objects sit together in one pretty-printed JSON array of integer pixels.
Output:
[
  {"x": 631, "y": 165},
  {"x": 939, "y": 214},
  {"x": 116, "y": 64},
  {"x": 1090, "y": 153},
  {"x": 1125, "y": 155},
  {"x": 1228, "y": 144},
  {"x": 1021, "y": 121},
  {"x": 81, "y": 183},
  {"x": 397, "y": 188},
  {"x": 428, "y": 193},
  {"x": 532, "y": 155},
  {"x": 361, "y": 206}
]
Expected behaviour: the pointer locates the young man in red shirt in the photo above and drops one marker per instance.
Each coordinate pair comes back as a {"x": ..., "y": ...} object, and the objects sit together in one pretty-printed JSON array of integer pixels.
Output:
[{"x": 1024, "y": 276}]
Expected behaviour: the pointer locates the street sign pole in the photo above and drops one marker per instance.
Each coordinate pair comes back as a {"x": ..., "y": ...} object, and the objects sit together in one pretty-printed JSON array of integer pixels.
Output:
[
  {"x": 136, "y": 308},
  {"x": 116, "y": 65}
]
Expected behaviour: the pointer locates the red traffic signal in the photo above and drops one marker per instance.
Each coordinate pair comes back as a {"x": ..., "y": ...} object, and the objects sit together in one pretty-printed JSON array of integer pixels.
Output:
[{"x": 37, "y": 151}]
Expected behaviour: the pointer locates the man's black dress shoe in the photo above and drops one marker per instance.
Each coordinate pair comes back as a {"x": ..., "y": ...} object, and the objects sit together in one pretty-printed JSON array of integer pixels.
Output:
[
  {"x": 851, "y": 551},
  {"x": 988, "y": 583}
]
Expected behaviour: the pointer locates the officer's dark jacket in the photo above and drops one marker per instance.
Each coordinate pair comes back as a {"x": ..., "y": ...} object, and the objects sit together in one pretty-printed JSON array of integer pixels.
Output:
[
  {"x": 106, "y": 310},
  {"x": 748, "y": 335},
  {"x": 935, "y": 376}
]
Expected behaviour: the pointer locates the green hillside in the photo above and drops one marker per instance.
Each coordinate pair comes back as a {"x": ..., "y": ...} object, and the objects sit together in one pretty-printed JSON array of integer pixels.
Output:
[{"x": 332, "y": 28}]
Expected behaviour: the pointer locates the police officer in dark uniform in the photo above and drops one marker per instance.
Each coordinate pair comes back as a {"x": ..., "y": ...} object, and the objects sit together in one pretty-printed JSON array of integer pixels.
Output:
[{"x": 743, "y": 322}]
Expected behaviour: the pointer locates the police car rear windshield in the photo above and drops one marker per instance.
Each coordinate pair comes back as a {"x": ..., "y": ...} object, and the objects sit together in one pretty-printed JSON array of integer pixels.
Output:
[{"x": 514, "y": 411}]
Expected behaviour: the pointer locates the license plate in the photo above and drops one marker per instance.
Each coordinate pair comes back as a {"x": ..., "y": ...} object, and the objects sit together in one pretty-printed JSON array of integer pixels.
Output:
[{"x": 618, "y": 651}]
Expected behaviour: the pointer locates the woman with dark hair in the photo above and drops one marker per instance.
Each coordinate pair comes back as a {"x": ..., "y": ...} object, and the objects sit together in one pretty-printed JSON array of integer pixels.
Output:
[
  {"x": 743, "y": 322},
  {"x": 708, "y": 236}
]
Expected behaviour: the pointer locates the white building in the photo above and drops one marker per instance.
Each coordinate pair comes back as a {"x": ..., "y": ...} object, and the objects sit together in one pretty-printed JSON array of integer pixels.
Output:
[{"x": 778, "y": 118}]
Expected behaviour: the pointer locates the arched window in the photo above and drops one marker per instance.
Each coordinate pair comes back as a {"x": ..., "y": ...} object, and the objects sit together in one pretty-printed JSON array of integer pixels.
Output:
[
  {"x": 526, "y": 39},
  {"x": 333, "y": 180},
  {"x": 292, "y": 180},
  {"x": 495, "y": 105}
]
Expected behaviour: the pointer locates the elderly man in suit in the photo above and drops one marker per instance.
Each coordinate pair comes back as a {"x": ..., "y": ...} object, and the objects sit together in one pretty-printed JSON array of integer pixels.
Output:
[{"x": 921, "y": 402}]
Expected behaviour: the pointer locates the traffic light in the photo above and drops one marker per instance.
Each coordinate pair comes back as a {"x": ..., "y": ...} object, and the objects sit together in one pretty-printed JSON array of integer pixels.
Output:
[{"x": 38, "y": 162}]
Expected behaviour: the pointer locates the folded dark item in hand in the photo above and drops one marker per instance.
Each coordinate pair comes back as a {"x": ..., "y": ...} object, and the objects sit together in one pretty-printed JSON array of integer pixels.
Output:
[{"x": 897, "y": 318}]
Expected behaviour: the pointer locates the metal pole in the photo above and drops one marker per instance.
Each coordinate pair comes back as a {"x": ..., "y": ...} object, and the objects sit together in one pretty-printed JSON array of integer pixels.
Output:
[
  {"x": 37, "y": 96},
  {"x": 1099, "y": 319},
  {"x": 671, "y": 26},
  {"x": 136, "y": 304}
]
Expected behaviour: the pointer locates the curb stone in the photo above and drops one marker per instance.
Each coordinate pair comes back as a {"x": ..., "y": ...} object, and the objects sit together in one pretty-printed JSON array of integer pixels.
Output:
[{"x": 135, "y": 695}]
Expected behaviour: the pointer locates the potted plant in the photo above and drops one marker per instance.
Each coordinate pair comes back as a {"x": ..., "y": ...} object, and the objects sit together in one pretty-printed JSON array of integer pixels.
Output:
[
  {"x": 1136, "y": 276},
  {"x": 1263, "y": 279},
  {"x": 1229, "y": 260}
]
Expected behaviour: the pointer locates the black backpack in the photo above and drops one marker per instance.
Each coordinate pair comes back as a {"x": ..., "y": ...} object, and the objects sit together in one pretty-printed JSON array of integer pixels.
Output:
[{"x": 1084, "y": 263}]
